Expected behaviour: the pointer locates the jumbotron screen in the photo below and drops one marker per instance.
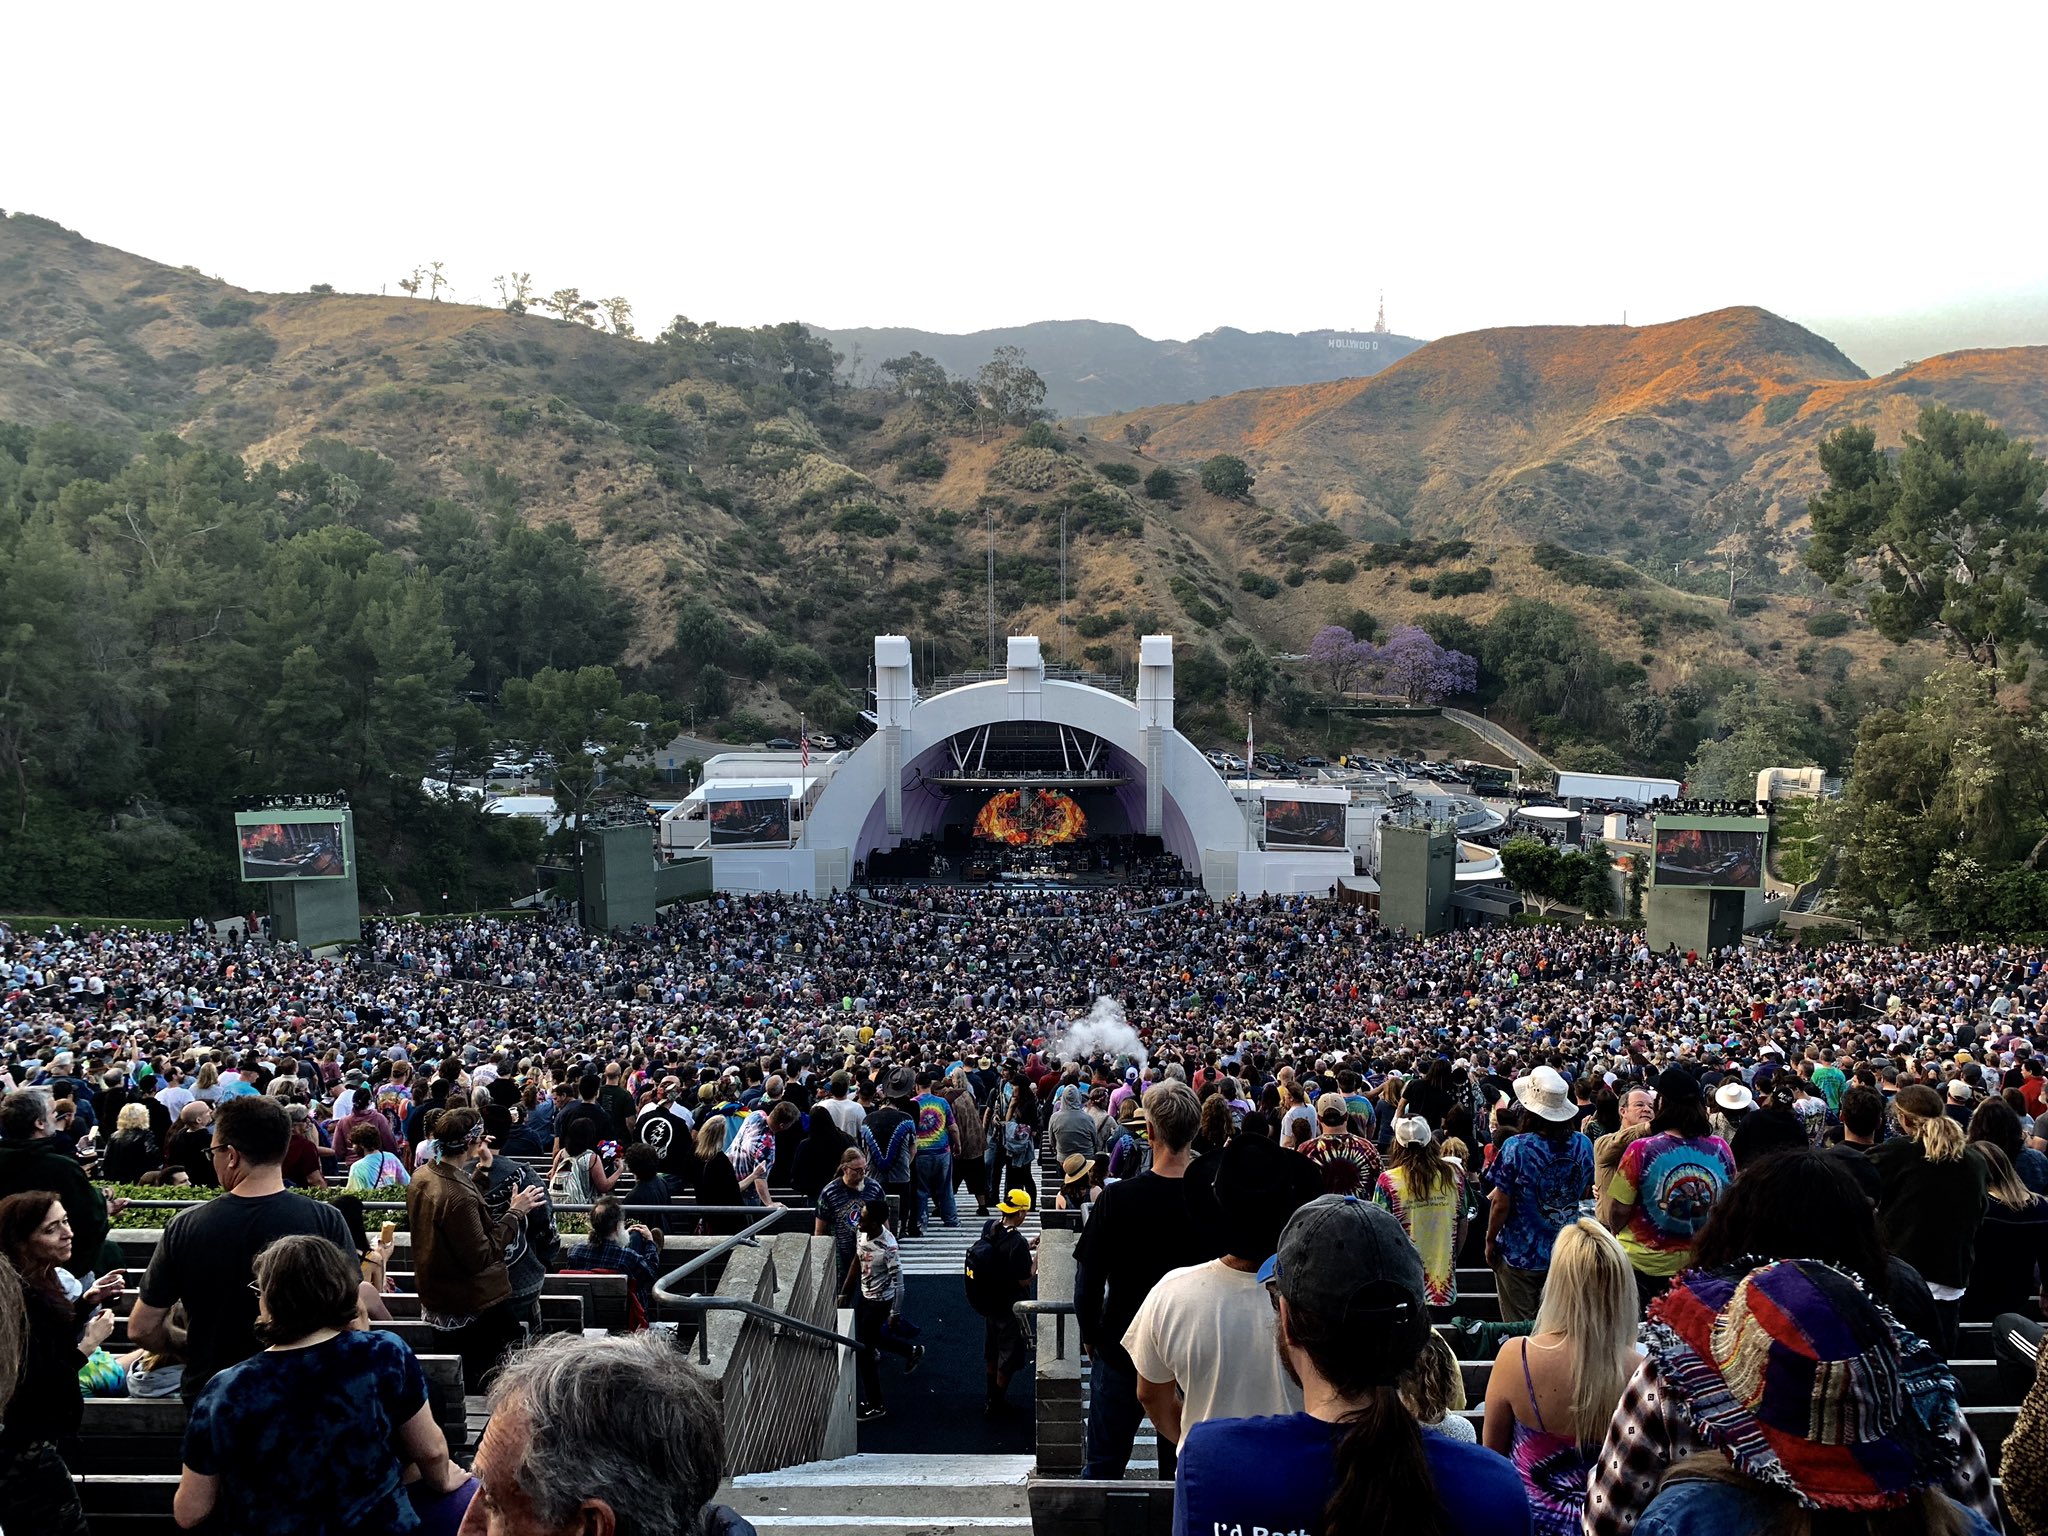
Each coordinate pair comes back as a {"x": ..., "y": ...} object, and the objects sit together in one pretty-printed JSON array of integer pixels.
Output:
[
  {"x": 1304, "y": 824},
  {"x": 751, "y": 820},
  {"x": 1722, "y": 855},
  {"x": 1035, "y": 818},
  {"x": 293, "y": 850}
]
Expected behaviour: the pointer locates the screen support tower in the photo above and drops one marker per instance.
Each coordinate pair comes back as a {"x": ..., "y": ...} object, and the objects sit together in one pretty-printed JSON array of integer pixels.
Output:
[{"x": 992, "y": 592}]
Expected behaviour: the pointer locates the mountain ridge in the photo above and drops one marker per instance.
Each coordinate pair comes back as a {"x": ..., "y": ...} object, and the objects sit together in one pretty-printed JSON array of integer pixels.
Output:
[{"x": 1093, "y": 366}]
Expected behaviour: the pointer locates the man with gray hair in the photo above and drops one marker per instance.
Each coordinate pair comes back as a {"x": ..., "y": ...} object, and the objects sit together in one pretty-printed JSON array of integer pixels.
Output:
[
  {"x": 601, "y": 1437},
  {"x": 32, "y": 1159},
  {"x": 1141, "y": 1228}
]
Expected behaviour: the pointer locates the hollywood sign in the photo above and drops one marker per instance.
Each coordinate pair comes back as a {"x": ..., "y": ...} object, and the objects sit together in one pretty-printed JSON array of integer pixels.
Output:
[{"x": 1345, "y": 344}]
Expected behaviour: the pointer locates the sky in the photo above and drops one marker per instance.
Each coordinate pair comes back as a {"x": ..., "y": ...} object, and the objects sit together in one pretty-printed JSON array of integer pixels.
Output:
[{"x": 1865, "y": 169}]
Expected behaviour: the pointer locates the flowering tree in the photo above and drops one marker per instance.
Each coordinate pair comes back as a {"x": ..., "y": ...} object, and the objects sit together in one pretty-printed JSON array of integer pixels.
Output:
[
  {"x": 1339, "y": 656},
  {"x": 1420, "y": 670}
]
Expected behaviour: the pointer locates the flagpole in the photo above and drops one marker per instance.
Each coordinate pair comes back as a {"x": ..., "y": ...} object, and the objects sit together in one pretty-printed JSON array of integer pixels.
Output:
[{"x": 803, "y": 741}]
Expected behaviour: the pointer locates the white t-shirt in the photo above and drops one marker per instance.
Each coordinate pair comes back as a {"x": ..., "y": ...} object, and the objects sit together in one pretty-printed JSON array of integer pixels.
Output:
[
  {"x": 846, "y": 1114},
  {"x": 1210, "y": 1328}
]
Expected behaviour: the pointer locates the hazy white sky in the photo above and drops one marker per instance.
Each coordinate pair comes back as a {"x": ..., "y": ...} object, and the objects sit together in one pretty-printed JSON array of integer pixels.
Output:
[{"x": 1173, "y": 166}]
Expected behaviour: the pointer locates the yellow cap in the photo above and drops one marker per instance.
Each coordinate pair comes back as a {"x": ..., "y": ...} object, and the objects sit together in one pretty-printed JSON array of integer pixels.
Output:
[{"x": 1015, "y": 1203}]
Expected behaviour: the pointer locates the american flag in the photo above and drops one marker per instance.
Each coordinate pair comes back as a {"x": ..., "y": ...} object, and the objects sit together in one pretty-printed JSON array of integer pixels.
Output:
[{"x": 804, "y": 742}]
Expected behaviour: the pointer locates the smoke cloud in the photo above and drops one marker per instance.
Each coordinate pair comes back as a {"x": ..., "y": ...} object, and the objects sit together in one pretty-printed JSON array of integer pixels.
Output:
[{"x": 1103, "y": 1032}]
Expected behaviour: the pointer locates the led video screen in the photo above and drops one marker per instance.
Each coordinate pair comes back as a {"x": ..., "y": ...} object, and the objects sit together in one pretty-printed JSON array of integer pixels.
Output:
[
  {"x": 1037, "y": 818},
  {"x": 1304, "y": 824},
  {"x": 293, "y": 850},
  {"x": 1725, "y": 858},
  {"x": 751, "y": 820}
]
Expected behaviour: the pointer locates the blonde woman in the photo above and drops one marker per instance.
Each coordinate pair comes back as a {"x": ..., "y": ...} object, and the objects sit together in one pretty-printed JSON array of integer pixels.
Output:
[
  {"x": 1550, "y": 1395},
  {"x": 1932, "y": 1190},
  {"x": 2012, "y": 1243}
]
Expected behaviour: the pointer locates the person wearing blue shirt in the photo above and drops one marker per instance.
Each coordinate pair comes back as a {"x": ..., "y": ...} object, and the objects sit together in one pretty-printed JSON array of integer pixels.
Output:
[{"x": 1353, "y": 1316}]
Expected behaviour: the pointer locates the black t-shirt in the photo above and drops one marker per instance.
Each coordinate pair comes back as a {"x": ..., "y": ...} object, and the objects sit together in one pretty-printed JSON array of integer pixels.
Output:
[
  {"x": 1429, "y": 1101},
  {"x": 1140, "y": 1229},
  {"x": 1856, "y": 1159},
  {"x": 618, "y": 1107},
  {"x": 206, "y": 1260},
  {"x": 600, "y": 1122}
]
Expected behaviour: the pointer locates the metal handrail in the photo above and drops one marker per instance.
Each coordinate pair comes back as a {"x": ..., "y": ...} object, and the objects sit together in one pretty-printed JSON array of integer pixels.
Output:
[
  {"x": 716, "y": 1251},
  {"x": 1059, "y": 1311},
  {"x": 776, "y": 1321},
  {"x": 399, "y": 1205}
]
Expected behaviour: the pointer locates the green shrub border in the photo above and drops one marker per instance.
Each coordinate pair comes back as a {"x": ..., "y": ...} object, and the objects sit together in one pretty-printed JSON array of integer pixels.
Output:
[{"x": 571, "y": 1223}]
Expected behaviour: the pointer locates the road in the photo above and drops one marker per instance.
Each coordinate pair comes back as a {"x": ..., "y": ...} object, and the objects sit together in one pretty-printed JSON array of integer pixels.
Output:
[{"x": 1494, "y": 736}]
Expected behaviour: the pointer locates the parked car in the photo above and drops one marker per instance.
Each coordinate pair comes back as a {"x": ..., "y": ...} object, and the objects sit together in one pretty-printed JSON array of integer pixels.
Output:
[
  {"x": 1315, "y": 762},
  {"x": 781, "y": 744}
]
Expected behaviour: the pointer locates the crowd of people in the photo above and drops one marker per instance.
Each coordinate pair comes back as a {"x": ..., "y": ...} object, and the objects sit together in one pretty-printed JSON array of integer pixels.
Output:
[{"x": 1710, "y": 1190}]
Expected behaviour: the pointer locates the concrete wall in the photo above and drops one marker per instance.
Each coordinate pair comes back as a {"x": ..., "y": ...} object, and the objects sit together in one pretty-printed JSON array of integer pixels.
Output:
[
  {"x": 1058, "y": 1388},
  {"x": 793, "y": 871}
]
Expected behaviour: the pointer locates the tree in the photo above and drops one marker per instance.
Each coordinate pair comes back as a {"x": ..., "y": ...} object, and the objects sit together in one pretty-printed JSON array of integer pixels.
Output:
[
  {"x": 1419, "y": 670},
  {"x": 411, "y": 284},
  {"x": 1338, "y": 656},
  {"x": 1162, "y": 485},
  {"x": 1531, "y": 868},
  {"x": 587, "y": 722},
  {"x": 1756, "y": 728},
  {"x": 1251, "y": 676},
  {"x": 918, "y": 379},
  {"x": 1951, "y": 539},
  {"x": 436, "y": 281},
  {"x": 1012, "y": 393},
  {"x": 1943, "y": 795},
  {"x": 1228, "y": 476},
  {"x": 1138, "y": 434},
  {"x": 618, "y": 314},
  {"x": 570, "y": 305},
  {"x": 515, "y": 291}
]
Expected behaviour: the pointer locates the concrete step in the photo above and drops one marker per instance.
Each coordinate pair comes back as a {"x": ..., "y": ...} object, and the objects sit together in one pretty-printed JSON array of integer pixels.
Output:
[{"x": 906, "y": 1494}]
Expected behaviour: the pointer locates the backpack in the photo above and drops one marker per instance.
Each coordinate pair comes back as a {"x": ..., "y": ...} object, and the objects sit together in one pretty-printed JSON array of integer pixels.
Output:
[
  {"x": 571, "y": 1182},
  {"x": 991, "y": 1283},
  {"x": 1019, "y": 1145}
]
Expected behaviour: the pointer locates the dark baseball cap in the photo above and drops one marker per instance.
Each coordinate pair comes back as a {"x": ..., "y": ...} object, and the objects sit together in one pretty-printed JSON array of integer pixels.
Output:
[{"x": 1345, "y": 1261}]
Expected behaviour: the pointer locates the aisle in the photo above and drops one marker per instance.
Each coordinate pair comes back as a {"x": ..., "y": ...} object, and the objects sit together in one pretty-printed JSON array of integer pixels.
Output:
[
  {"x": 938, "y": 1411},
  {"x": 943, "y": 1250}
]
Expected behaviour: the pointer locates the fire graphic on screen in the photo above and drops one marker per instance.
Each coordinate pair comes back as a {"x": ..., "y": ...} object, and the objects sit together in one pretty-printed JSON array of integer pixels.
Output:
[{"x": 1030, "y": 816}]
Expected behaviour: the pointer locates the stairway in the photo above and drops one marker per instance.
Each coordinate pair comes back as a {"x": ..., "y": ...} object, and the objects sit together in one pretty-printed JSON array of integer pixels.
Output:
[{"x": 901, "y": 1495}]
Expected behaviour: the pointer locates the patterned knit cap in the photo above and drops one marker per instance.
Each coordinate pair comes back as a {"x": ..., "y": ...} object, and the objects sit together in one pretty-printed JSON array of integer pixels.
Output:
[{"x": 1806, "y": 1384}]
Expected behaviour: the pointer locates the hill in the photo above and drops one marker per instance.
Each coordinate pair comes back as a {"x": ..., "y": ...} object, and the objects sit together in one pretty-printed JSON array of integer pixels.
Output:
[
  {"x": 1659, "y": 445},
  {"x": 721, "y": 516},
  {"x": 1091, "y": 368}
]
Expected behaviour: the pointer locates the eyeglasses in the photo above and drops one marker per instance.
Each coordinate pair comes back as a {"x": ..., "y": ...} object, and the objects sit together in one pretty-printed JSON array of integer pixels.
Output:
[{"x": 214, "y": 1149}]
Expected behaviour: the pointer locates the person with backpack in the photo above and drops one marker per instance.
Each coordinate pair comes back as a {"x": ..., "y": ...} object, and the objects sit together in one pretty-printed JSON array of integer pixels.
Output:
[
  {"x": 1019, "y": 1144},
  {"x": 999, "y": 1271}
]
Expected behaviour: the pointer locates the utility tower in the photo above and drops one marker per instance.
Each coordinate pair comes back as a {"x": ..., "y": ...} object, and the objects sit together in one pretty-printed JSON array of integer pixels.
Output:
[{"x": 1379, "y": 326}]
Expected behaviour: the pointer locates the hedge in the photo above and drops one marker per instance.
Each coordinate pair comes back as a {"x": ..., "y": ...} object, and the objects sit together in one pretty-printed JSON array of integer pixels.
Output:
[{"x": 571, "y": 1223}]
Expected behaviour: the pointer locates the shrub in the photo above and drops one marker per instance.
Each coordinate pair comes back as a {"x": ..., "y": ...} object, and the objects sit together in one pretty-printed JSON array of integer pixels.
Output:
[
  {"x": 1339, "y": 571},
  {"x": 1457, "y": 583},
  {"x": 248, "y": 347},
  {"x": 1119, "y": 474},
  {"x": 1305, "y": 539},
  {"x": 229, "y": 312},
  {"x": 1228, "y": 476},
  {"x": 926, "y": 464},
  {"x": 1258, "y": 583},
  {"x": 1295, "y": 576},
  {"x": 1093, "y": 626},
  {"x": 866, "y": 520},
  {"x": 1418, "y": 584},
  {"x": 1041, "y": 435},
  {"x": 1162, "y": 485},
  {"x": 1826, "y": 625}
]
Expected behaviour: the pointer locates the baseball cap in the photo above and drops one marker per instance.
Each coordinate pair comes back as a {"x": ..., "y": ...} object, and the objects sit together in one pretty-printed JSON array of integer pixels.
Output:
[
  {"x": 1346, "y": 1262},
  {"x": 1015, "y": 1203}
]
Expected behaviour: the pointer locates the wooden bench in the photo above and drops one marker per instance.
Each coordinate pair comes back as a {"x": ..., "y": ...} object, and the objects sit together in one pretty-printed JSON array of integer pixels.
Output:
[
  {"x": 128, "y": 1436},
  {"x": 558, "y": 1313}
]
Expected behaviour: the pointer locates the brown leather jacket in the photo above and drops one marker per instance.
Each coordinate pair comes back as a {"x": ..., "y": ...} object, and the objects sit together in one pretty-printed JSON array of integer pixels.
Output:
[{"x": 458, "y": 1252}]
